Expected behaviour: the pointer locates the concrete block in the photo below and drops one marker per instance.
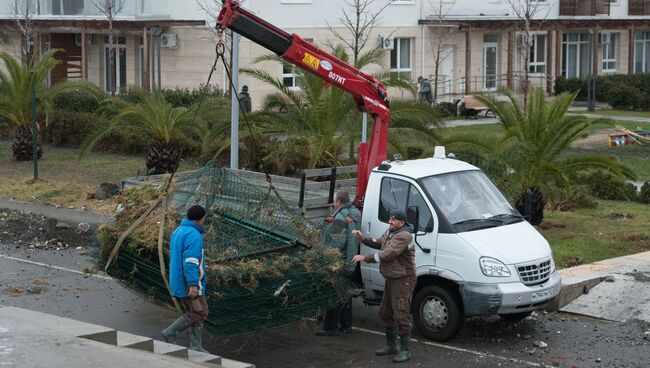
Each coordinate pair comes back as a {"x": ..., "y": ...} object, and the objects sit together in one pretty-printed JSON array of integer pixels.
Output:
[
  {"x": 164, "y": 348},
  {"x": 228, "y": 363},
  {"x": 128, "y": 340},
  {"x": 199, "y": 357}
]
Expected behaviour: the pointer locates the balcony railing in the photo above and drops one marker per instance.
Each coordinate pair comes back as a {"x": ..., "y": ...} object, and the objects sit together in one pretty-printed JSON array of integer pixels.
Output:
[
  {"x": 639, "y": 7},
  {"x": 584, "y": 7}
]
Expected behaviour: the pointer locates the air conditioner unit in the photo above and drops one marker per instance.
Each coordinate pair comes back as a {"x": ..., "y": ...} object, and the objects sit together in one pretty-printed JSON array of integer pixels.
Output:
[
  {"x": 168, "y": 40},
  {"x": 605, "y": 38},
  {"x": 90, "y": 39},
  {"x": 386, "y": 43}
]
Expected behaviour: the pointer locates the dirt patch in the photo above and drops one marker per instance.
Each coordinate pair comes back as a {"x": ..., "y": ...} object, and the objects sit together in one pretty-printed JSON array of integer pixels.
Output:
[
  {"x": 640, "y": 276},
  {"x": 39, "y": 232},
  {"x": 616, "y": 216},
  {"x": 594, "y": 140},
  {"x": 548, "y": 225},
  {"x": 636, "y": 238}
]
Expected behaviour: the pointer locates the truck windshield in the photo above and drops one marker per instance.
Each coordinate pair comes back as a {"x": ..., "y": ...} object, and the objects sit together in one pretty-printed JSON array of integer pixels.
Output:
[{"x": 469, "y": 200}]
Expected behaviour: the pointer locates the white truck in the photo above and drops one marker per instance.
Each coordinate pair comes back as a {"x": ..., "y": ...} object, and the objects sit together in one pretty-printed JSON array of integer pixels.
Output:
[{"x": 475, "y": 254}]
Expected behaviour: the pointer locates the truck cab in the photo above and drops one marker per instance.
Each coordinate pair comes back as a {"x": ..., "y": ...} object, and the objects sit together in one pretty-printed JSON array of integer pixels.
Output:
[{"x": 475, "y": 254}]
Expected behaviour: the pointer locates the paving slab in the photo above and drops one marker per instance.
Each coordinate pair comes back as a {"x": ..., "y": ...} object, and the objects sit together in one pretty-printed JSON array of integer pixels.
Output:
[{"x": 624, "y": 295}]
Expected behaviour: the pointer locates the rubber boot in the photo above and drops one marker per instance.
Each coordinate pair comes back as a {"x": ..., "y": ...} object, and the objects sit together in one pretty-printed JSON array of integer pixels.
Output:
[
  {"x": 196, "y": 335},
  {"x": 390, "y": 347},
  {"x": 171, "y": 332},
  {"x": 404, "y": 353}
]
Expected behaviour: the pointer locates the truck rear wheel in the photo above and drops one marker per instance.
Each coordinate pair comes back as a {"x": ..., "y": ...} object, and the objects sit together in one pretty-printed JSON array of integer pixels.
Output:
[{"x": 437, "y": 314}]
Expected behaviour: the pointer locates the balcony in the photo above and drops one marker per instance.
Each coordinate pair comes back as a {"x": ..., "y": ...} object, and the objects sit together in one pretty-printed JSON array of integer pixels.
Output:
[
  {"x": 81, "y": 8},
  {"x": 588, "y": 8},
  {"x": 639, "y": 7}
]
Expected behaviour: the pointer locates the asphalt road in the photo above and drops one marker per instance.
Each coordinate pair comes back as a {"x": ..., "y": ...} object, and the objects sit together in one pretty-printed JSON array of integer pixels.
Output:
[{"x": 573, "y": 340}]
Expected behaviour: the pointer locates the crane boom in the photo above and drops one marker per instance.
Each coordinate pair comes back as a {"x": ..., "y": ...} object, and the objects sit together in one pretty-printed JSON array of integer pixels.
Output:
[{"x": 368, "y": 92}]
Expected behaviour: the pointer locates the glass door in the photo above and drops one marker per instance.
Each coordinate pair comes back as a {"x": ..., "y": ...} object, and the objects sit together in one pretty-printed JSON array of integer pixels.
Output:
[{"x": 490, "y": 62}]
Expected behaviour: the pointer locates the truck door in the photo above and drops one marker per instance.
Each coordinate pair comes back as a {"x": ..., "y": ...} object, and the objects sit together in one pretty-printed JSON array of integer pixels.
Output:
[{"x": 396, "y": 193}]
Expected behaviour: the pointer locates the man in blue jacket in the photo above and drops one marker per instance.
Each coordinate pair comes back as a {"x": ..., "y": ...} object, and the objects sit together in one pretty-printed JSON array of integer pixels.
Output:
[{"x": 187, "y": 278}]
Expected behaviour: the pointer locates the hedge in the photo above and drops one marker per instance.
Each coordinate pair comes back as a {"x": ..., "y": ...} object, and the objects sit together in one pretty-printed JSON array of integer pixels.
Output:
[{"x": 618, "y": 90}]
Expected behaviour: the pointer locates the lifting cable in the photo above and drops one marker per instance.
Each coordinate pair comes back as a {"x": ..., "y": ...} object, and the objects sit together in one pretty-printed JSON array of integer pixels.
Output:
[{"x": 220, "y": 51}]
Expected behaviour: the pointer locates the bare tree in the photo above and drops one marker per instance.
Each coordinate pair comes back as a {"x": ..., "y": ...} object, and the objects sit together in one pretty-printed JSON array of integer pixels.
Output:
[
  {"x": 359, "y": 19},
  {"x": 531, "y": 18},
  {"x": 443, "y": 33},
  {"x": 24, "y": 11},
  {"x": 110, "y": 8}
]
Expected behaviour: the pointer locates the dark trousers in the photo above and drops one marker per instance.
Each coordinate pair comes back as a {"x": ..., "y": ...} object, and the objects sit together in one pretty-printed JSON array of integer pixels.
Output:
[
  {"x": 395, "y": 308},
  {"x": 338, "y": 316}
]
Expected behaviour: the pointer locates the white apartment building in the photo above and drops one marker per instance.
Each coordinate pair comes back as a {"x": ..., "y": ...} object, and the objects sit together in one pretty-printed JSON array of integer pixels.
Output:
[{"x": 170, "y": 44}]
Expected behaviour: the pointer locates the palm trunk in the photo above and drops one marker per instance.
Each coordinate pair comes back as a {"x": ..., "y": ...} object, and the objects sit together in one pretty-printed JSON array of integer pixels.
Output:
[
  {"x": 163, "y": 157},
  {"x": 22, "y": 146}
]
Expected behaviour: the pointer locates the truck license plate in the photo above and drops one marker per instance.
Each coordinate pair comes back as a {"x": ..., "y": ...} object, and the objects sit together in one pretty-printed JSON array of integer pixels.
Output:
[{"x": 541, "y": 295}]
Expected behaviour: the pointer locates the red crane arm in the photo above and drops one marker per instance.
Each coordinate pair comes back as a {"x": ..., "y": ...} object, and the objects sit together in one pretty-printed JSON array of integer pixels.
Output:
[{"x": 368, "y": 92}]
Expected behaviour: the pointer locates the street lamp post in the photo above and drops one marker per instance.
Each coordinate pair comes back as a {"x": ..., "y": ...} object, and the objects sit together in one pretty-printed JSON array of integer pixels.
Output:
[{"x": 591, "y": 80}]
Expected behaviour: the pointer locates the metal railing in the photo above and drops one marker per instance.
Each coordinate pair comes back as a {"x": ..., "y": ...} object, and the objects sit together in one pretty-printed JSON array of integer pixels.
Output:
[
  {"x": 584, "y": 7},
  {"x": 450, "y": 90}
]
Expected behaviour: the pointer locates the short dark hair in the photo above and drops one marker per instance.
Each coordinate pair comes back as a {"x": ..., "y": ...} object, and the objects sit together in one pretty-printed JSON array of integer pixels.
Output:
[
  {"x": 195, "y": 213},
  {"x": 342, "y": 196}
]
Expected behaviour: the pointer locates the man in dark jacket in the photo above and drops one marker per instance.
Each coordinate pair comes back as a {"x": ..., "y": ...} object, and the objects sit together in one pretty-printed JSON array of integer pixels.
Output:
[
  {"x": 397, "y": 264},
  {"x": 245, "y": 100},
  {"x": 338, "y": 233},
  {"x": 187, "y": 278}
]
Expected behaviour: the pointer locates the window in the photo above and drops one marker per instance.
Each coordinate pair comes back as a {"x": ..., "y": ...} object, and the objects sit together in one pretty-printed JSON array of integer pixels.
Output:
[
  {"x": 608, "y": 41},
  {"x": 65, "y": 7},
  {"x": 641, "y": 52},
  {"x": 400, "y": 56},
  {"x": 145, "y": 7},
  {"x": 23, "y": 7},
  {"x": 537, "y": 57},
  {"x": 289, "y": 78},
  {"x": 575, "y": 55},
  {"x": 399, "y": 194}
]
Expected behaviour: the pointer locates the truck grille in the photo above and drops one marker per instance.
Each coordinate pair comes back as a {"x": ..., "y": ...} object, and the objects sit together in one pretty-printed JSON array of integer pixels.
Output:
[{"x": 535, "y": 273}]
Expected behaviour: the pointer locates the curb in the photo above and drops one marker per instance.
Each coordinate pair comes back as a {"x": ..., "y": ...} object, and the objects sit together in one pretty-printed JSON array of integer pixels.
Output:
[
  {"x": 70, "y": 216},
  {"x": 571, "y": 292}
]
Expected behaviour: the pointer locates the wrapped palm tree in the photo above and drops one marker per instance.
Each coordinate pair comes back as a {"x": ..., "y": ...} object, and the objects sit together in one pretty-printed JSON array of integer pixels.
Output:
[{"x": 17, "y": 83}]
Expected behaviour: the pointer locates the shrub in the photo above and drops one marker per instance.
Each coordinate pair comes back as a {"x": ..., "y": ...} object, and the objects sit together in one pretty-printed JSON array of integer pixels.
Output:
[
  {"x": 571, "y": 85},
  {"x": 644, "y": 194},
  {"x": 445, "y": 109},
  {"x": 77, "y": 101},
  {"x": 413, "y": 152},
  {"x": 69, "y": 128},
  {"x": 180, "y": 96},
  {"x": 607, "y": 186},
  {"x": 623, "y": 96},
  {"x": 573, "y": 197}
]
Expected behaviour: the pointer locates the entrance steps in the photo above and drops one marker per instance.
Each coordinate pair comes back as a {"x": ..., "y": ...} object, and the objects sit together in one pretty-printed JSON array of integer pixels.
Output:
[{"x": 101, "y": 346}]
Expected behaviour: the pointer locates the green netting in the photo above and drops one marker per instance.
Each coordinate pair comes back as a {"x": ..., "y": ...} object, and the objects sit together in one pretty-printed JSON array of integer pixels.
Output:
[{"x": 266, "y": 264}]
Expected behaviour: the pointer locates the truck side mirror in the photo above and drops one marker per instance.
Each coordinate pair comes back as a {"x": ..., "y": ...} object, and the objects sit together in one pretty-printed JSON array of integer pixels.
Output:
[{"x": 413, "y": 217}]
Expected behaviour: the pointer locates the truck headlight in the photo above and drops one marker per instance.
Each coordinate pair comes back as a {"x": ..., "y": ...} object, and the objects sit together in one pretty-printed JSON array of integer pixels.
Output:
[{"x": 492, "y": 267}]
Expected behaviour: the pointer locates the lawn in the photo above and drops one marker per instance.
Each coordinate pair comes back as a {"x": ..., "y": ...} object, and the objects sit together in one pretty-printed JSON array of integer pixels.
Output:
[
  {"x": 614, "y": 112},
  {"x": 64, "y": 179},
  {"x": 612, "y": 229}
]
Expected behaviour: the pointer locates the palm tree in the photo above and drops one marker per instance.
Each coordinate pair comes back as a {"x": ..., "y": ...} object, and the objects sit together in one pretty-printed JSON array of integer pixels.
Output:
[
  {"x": 327, "y": 118},
  {"x": 17, "y": 83},
  {"x": 151, "y": 114},
  {"x": 532, "y": 148}
]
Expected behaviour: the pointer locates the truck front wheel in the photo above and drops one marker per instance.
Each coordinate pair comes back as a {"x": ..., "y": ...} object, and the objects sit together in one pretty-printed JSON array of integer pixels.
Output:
[{"x": 437, "y": 314}]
